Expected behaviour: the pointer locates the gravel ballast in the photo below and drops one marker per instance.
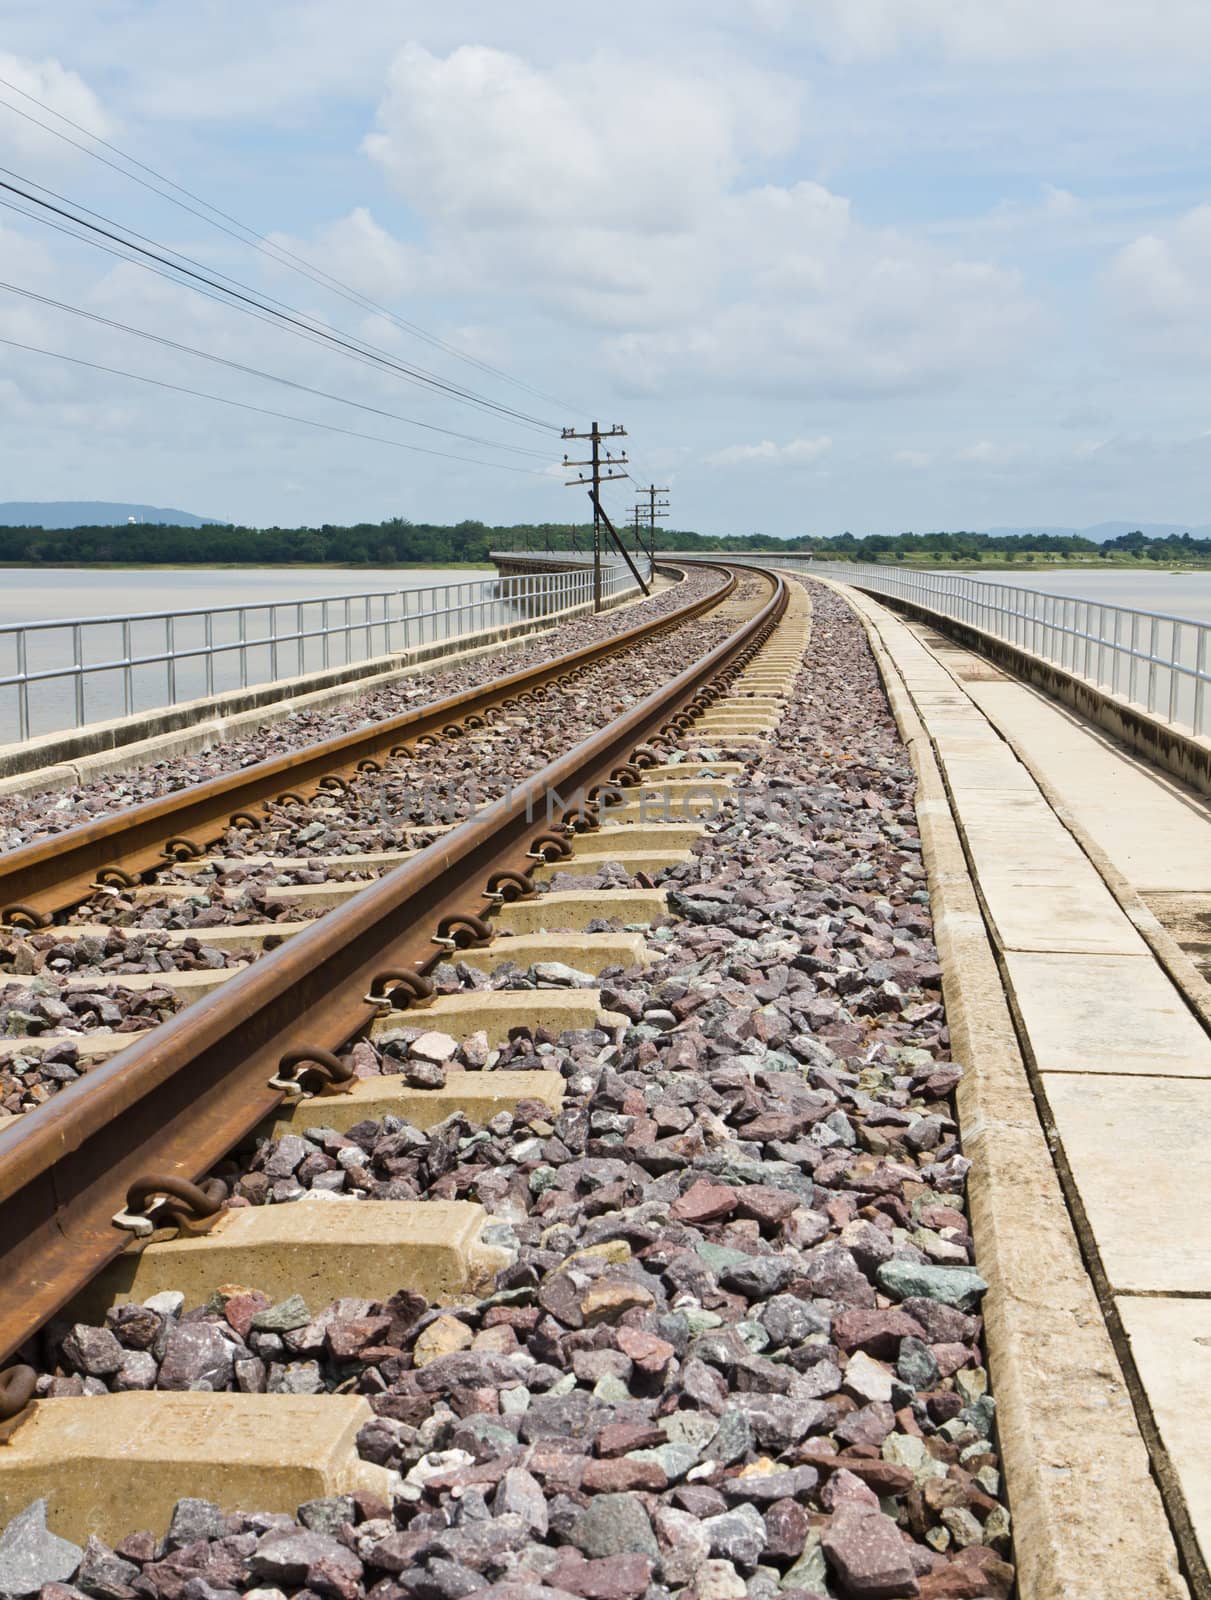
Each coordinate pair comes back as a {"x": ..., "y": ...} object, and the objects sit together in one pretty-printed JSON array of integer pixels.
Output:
[
  {"x": 405, "y": 807},
  {"x": 738, "y": 1349},
  {"x": 27, "y": 817}
]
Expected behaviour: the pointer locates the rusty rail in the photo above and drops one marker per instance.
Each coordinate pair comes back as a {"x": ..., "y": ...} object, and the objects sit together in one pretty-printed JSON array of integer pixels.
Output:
[
  {"x": 40, "y": 879},
  {"x": 179, "y": 1098}
]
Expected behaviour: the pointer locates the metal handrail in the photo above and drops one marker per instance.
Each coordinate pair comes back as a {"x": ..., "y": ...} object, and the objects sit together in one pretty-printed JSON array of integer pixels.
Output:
[
  {"x": 385, "y": 622},
  {"x": 1153, "y": 659}
]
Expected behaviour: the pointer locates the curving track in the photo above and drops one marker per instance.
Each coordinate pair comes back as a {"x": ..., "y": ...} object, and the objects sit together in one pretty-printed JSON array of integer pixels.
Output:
[
  {"x": 176, "y": 1100},
  {"x": 597, "y": 1304}
]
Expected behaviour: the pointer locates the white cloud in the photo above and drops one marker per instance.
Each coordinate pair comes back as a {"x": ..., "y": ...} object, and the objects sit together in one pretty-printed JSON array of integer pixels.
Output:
[
  {"x": 1058, "y": 203},
  {"x": 985, "y": 453},
  {"x": 1160, "y": 287},
  {"x": 622, "y": 198},
  {"x": 593, "y": 186},
  {"x": 1010, "y": 30},
  {"x": 59, "y": 88},
  {"x": 653, "y": 218},
  {"x": 482, "y": 137},
  {"x": 360, "y": 252},
  {"x": 1052, "y": 215},
  {"x": 1157, "y": 307},
  {"x": 767, "y": 453},
  {"x": 231, "y": 61},
  {"x": 856, "y": 312},
  {"x": 25, "y": 258}
]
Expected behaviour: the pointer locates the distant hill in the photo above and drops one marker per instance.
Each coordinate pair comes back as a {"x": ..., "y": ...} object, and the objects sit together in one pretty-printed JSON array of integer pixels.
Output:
[
  {"x": 1101, "y": 531},
  {"x": 91, "y": 514}
]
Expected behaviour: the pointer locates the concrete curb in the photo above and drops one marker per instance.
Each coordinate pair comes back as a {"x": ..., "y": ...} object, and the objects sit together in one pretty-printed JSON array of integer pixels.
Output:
[{"x": 1088, "y": 1517}]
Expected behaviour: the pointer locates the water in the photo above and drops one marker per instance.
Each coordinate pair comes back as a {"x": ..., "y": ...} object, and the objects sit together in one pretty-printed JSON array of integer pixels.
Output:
[
  {"x": 277, "y": 603},
  {"x": 33, "y": 594}
]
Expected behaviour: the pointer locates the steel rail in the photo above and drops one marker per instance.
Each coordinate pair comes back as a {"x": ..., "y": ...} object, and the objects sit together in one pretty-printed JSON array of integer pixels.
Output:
[
  {"x": 178, "y": 1099},
  {"x": 58, "y": 872}
]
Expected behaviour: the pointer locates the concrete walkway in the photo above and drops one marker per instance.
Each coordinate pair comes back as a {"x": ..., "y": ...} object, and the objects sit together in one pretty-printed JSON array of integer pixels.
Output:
[{"x": 1120, "y": 1058}]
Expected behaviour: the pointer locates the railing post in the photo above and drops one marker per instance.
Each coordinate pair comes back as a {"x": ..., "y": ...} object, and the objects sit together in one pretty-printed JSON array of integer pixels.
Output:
[
  {"x": 77, "y": 646},
  {"x": 1200, "y": 678},
  {"x": 209, "y": 640},
  {"x": 1101, "y": 644},
  {"x": 128, "y": 678},
  {"x": 1153, "y": 647},
  {"x": 1135, "y": 659},
  {"x": 170, "y": 647},
  {"x": 22, "y": 687},
  {"x": 243, "y": 616},
  {"x": 1175, "y": 656},
  {"x": 1117, "y": 657}
]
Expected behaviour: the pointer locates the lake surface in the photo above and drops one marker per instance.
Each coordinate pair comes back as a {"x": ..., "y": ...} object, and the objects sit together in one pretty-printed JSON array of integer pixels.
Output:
[
  {"x": 257, "y": 643},
  {"x": 34, "y": 594}
]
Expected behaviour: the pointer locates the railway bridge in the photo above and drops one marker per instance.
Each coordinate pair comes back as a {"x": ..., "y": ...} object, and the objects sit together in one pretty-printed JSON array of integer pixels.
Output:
[{"x": 702, "y": 1098}]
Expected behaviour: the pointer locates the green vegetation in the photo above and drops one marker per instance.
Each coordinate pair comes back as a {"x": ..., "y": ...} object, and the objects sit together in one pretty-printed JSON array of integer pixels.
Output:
[
  {"x": 1039, "y": 549},
  {"x": 403, "y": 543},
  {"x": 386, "y": 544}
]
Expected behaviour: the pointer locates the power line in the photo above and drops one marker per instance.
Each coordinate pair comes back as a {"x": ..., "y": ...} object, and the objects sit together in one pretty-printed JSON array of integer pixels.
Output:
[
  {"x": 241, "y": 293},
  {"x": 257, "y": 372},
  {"x": 266, "y": 303},
  {"x": 265, "y": 411},
  {"x": 250, "y": 236},
  {"x": 167, "y": 277}
]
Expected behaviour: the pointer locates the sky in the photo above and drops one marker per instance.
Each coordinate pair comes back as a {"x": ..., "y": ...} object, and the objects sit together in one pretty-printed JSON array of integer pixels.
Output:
[{"x": 834, "y": 264}]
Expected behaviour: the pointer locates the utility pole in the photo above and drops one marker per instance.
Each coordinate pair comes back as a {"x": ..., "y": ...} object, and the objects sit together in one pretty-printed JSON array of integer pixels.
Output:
[
  {"x": 654, "y": 509},
  {"x": 596, "y": 478},
  {"x": 640, "y": 514}
]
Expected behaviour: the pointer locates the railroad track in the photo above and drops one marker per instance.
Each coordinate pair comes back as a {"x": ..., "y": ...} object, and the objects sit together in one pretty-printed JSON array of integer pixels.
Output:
[
  {"x": 132, "y": 846},
  {"x": 183, "y": 901},
  {"x": 490, "y": 1305},
  {"x": 173, "y": 1102}
]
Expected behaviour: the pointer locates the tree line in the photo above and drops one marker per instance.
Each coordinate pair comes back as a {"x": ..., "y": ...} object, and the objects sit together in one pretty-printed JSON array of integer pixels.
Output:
[
  {"x": 399, "y": 541},
  {"x": 1007, "y": 546}
]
